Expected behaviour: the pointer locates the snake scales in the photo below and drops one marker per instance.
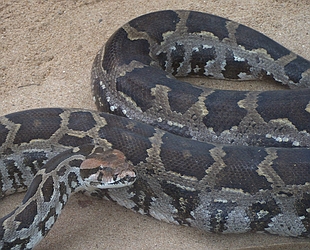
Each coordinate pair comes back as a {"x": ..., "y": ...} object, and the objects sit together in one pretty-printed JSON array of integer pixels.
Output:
[{"x": 231, "y": 161}]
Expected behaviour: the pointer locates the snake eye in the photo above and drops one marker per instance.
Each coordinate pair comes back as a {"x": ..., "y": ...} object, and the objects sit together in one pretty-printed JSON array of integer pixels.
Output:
[{"x": 100, "y": 176}]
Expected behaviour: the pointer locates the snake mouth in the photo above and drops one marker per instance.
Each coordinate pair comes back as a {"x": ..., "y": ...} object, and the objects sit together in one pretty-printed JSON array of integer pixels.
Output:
[
  {"x": 103, "y": 179},
  {"x": 119, "y": 183}
]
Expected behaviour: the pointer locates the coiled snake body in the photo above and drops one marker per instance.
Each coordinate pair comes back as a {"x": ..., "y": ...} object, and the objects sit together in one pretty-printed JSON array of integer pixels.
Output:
[{"x": 223, "y": 161}]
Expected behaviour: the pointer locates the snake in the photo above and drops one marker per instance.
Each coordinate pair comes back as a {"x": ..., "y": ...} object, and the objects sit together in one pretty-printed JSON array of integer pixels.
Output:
[{"x": 223, "y": 161}]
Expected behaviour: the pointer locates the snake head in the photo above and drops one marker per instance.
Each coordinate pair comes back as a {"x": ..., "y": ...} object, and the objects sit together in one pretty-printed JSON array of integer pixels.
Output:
[{"x": 107, "y": 169}]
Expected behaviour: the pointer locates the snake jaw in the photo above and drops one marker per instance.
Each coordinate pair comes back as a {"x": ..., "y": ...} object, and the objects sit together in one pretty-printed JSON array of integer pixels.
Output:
[
  {"x": 107, "y": 177},
  {"x": 108, "y": 169}
]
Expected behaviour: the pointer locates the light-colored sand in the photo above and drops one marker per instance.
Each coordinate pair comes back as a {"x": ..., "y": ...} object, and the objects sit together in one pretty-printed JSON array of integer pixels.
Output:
[{"x": 47, "y": 48}]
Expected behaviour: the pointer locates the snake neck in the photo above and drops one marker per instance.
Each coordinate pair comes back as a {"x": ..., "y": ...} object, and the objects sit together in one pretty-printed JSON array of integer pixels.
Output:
[{"x": 47, "y": 195}]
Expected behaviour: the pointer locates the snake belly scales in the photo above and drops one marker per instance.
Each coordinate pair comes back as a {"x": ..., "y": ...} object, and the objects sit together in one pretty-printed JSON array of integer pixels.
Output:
[{"x": 220, "y": 160}]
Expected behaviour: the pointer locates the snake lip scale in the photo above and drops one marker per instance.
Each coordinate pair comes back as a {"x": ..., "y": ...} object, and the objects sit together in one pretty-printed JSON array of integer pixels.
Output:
[{"x": 219, "y": 160}]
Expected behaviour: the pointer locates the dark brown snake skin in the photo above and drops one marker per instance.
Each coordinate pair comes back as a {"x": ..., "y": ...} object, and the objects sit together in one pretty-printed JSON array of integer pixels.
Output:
[{"x": 231, "y": 161}]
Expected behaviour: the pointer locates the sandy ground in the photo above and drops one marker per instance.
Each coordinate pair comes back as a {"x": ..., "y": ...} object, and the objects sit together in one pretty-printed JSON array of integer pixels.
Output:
[{"x": 47, "y": 48}]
